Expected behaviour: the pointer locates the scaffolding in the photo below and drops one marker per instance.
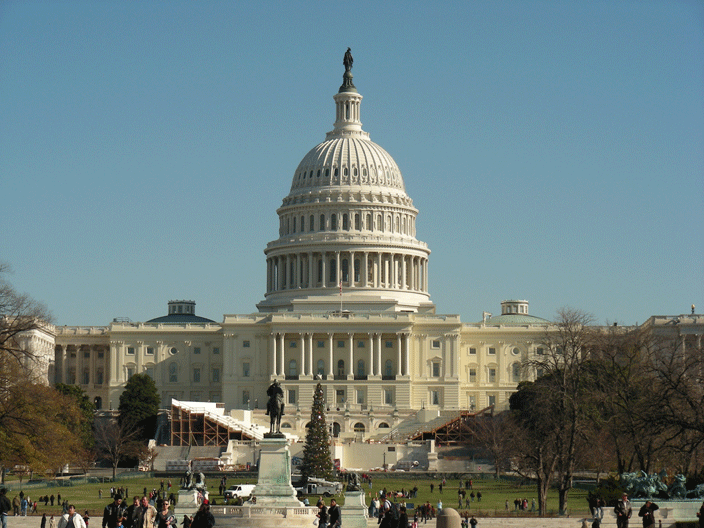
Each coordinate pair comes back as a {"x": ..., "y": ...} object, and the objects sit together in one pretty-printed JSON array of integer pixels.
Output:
[
  {"x": 458, "y": 430},
  {"x": 206, "y": 426}
]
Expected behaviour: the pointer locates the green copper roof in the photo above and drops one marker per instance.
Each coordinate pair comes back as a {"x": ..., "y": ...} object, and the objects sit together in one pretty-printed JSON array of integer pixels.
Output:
[{"x": 516, "y": 319}]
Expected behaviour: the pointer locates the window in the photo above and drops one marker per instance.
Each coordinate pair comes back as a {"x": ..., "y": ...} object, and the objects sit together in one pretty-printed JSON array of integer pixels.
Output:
[
  {"x": 245, "y": 397},
  {"x": 515, "y": 352},
  {"x": 436, "y": 369},
  {"x": 341, "y": 367},
  {"x": 388, "y": 368},
  {"x": 360, "y": 397},
  {"x": 340, "y": 396},
  {"x": 150, "y": 351},
  {"x": 492, "y": 375},
  {"x": 245, "y": 344},
  {"x": 321, "y": 367},
  {"x": 311, "y": 219},
  {"x": 292, "y": 396},
  {"x": 472, "y": 375},
  {"x": 389, "y": 344},
  {"x": 345, "y": 223},
  {"x": 340, "y": 344},
  {"x": 245, "y": 369},
  {"x": 130, "y": 373},
  {"x": 360, "y": 367},
  {"x": 516, "y": 371},
  {"x": 360, "y": 344},
  {"x": 86, "y": 355},
  {"x": 321, "y": 344},
  {"x": 292, "y": 368},
  {"x": 130, "y": 351},
  {"x": 216, "y": 350},
  {"x": 173, "y": 351},
  {"x": 173, "y": 373},
  {"x": 292, "y": 344},
  {"x": 196, "y": 350},
  {"x": 492, "y": 401},
  {"x": 333, "y": 222},
  {"x": 101, "y": 355},
  {"x": 388, "y": 396},
  {"x": 359, "y": 427},
  {"x": 472, "y": 351},
  {"x": 99, "y": 377},
  {"x": 196, "y": 375},
  {"x": 491, "y": 351},
  {"x": 216, "y": 375},
  {"x": 86, "y": 377},
  {"x": 149, "y": 371},
  {"x": 472, "y": 400},
  {"x": 321, "y": 225},
  {"x": 435, "y": 344},
  {"x": 434, "y": 397}
]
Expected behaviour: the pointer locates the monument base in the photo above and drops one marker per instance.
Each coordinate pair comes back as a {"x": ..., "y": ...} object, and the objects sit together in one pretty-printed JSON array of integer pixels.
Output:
[
  {"x": 355, "y": 511},
  {"x": 188, "y": 502},
  {"x": 274, "y": 485}
]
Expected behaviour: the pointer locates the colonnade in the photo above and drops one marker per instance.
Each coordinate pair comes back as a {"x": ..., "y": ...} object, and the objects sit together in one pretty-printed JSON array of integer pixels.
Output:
[
  {"x": 370, "y": 354},
  {"x": 74, "y": 372},
  {"x": 361, "y": 269}
]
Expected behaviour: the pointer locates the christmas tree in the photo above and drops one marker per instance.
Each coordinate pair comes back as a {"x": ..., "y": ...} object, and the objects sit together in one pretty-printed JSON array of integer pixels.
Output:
[{"x": 316, "y": 453}]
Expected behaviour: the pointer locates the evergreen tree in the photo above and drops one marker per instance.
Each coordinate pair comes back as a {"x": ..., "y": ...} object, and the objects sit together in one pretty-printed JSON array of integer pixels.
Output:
[
  {"x": 317, "y": 461},
  {"x": 139, "y": 405}
]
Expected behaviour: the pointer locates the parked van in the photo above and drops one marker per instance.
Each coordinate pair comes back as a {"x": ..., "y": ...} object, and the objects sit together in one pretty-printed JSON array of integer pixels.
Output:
[
  {"x": 316, "y": 486},
  {"x": 243, "y": 491}
]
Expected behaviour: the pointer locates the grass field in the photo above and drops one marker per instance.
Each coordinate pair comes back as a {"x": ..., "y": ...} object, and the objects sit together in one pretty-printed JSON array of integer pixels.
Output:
[{"x": 495, "y": 493}]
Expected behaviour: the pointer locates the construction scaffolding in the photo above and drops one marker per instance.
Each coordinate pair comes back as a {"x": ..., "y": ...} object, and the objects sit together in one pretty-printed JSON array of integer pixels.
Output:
[
  {"x": 458, "y": 430},
  {"x": 206, "y": 426}
]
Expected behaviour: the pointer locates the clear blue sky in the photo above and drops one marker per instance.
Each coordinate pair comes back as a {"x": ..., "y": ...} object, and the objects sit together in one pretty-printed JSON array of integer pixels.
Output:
[{"x": 555, "y": 149}]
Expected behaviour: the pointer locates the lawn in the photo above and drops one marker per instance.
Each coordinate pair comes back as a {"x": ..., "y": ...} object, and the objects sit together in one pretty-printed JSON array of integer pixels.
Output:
[{"x": 495, "y": 493}]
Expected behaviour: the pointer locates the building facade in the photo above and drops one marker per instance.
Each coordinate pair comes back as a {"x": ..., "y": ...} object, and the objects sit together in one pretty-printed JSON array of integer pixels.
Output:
[{"x": 347, "y": 304}]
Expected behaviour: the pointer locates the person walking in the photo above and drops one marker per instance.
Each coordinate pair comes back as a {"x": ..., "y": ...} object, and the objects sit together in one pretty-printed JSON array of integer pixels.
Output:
[
  {"x": 113, "y": 512},
  {"x": 647, "y": 511},
  {"x": 322, "y": 514},
  {"x": 203, "y": 517},
  {"x": 71, "y": 519},
  {"x": 146, "y": 515},
  {"x": 334, "y": 520},
  {"x": 165, "y": 518},
  {"x": 623, "y": 511},
  {"x": 472, "y": 522}
]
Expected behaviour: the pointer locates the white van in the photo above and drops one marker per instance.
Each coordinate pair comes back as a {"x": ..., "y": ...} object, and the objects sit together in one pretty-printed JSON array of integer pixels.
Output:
[
  {"x": 243, "y": 491},
  {"x": 316, "y": 486}
]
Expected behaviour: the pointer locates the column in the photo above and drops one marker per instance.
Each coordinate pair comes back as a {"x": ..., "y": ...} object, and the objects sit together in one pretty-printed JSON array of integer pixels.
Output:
[
  {"x": 302, "y": 343},
  {"x": 407, "y": 369},
  {"x": 310, "y": 269},
  {"x": 280, "y": 338},
  {"x": 297, "y": 280},
  {"x": 272, "y": 346},
  {"x": 330, "y": 365},
  {"x": 350, "y": 369},
  {"x": 323, "y": 256},
  {"x": 364, "y": 270},
  {"x": 351, "y": 268},
  {"x": 377, "y": 275},
  {"x": 311, "y": 369},
  {"x": 338, "y": 276},
  {"x": 404, "y": 283},
  {"x": 399, "y": 371},
  {"x": 371, "y": 354},
  {"x": 378, "y": 355}
]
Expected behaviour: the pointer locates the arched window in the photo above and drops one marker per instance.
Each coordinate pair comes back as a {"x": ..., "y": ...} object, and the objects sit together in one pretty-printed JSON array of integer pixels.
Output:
[
  {"x": 388, "y": 368},
  {"x": 292, "y": 368},
  {"x": 321, "y": 367},
  {"x": 383, "y": 425},
  {"x": 516, "y": 371},
  {"x": 336, "y": 429},
  {"x": 321, "y": 225},
  {"x": 359, "y": 427},
  {"x": 341, "y": 367},
  {"x": 333, "y": 222},
  {"x": 311, "y": 223},
  {"x": 294, "y": 224},
  {"x": 357, "y": 266},
  {"x": 333, "y": 271},
  {"x": 369, "y": 226},
  {"x": 360, "y": 368},
  {"x": 327, "y": 173},
  {"x": 356, "y": 222},
  {"x": 303, "y": 224}
]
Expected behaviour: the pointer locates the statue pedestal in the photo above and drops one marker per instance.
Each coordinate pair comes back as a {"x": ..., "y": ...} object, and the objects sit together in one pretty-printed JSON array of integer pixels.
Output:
[
  {"x": 188, "y": 503},
  {"x": 355, "y": 511},
  {"x": 274, "y": 485}
]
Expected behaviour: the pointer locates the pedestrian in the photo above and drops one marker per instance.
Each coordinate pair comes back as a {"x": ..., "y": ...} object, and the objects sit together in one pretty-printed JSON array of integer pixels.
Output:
[
  {"x": 43, "y": 524},
  {"x": 479, "y": 496},
  {"x": 647, "y": 512},
  {"x": 334, "y": 520},
  {"x": 113, "y": 512},
  {"x": 186, "y": 521},
  {"x": 322, "y": 514},
  {"x": 402, "y": 518},
  {"x": 86, "y": 518},
  {"x": 623, "y": 511},
  {"x": 472, "y": 522},
  {"x": 203, "y": 517},
  {"x": 51, "y": 522},
  {"x": 440, "y": 487},
  {"x": 432, "y": 486},
  {"x": 5, "y": 507},
  {"x": 71, "y": 519},
  {"x": 146, "y": 514},
  {"x": 165, "y": 518}
]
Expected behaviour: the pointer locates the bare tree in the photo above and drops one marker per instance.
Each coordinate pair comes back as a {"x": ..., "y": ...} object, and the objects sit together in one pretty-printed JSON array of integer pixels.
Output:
[
  {"x": 494, "y": 433},
  {"x": 116, "y": 442}
]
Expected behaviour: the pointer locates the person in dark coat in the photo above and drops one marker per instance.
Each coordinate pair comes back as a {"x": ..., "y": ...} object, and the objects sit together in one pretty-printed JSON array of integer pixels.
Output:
[
  {"x": 334, "y": 519},
  {"x": 700, "y": 514},
  {"x": 402, "y": 517},
  {"x": 203, "y": 517},
  {"x": 647, "y": 512}
]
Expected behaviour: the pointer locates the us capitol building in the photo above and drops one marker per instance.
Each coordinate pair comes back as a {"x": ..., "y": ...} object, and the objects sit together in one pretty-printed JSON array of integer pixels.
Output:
[{"x": 347, "y": 304}]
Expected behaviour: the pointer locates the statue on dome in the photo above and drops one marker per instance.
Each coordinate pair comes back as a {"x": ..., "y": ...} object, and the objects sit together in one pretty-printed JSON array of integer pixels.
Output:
[{"x": 348, "y": 60}]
